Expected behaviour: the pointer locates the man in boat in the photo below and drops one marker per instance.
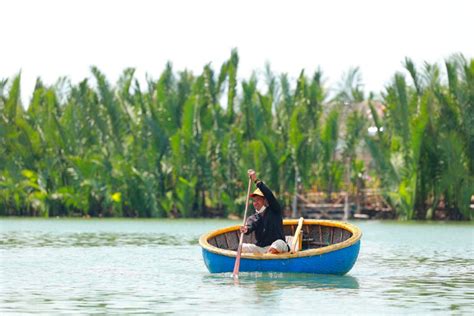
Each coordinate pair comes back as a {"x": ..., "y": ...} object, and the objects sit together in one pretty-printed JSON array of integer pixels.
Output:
[{"x": 267, "y": 222}]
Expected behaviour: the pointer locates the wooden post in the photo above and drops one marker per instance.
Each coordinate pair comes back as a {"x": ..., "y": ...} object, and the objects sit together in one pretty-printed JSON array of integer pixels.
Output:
[{"x": 294, "y": 205}]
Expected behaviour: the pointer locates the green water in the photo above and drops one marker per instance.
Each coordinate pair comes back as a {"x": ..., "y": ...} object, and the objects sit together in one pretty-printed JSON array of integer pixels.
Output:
[{"x": 121, "y": 266}]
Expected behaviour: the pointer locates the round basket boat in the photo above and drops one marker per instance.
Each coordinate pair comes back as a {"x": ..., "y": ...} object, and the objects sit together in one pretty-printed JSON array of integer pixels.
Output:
[{"x": 325, "y": 247}]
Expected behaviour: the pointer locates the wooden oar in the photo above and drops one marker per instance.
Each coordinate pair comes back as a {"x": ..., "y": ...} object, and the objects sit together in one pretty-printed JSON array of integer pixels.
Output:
[
  {"x": 235, "y": 274},
  {"x": 297, "y": 235}
]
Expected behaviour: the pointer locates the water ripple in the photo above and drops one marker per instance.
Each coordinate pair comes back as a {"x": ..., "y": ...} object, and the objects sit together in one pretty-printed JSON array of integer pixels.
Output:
[
  {"x": 41, "y": 240},
  {"x": 153, "y": 267}
]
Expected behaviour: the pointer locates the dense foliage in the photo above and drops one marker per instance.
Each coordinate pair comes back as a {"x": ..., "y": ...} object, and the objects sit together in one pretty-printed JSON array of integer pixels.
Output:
[{"x": 181, "y": 145}]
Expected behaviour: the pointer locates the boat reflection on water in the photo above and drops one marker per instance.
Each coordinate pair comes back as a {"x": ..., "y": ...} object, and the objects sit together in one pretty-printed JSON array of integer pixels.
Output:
[
  {"x": 312, "y": 281},
  {"x": 274, "y": 281}
]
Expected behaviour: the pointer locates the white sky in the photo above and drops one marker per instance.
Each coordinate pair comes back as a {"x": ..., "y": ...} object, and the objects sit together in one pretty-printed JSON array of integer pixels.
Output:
[{"x": 51, "y": 38}]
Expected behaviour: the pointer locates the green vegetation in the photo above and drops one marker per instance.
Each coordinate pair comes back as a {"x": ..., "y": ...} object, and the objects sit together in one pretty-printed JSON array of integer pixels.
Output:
[{"x": 181, "y": 146}]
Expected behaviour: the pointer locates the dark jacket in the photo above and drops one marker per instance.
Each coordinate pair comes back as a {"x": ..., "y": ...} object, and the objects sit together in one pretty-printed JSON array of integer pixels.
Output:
[{"x": 268, "y": 226}]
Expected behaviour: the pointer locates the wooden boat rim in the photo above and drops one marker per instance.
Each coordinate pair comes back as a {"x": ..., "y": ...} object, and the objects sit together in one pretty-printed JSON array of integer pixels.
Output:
[{"x": 356, "y": 235}]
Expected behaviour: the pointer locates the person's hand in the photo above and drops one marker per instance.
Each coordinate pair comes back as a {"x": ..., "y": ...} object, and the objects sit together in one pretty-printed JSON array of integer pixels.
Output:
[
  {"x": 273, "y": 251},
  {"x": 244, "y": 229},
  {"x": 252, "y": 174}
]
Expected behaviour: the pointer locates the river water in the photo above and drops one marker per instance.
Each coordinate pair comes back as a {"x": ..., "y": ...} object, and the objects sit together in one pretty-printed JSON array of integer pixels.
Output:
[{"x": 120, "y": 266}]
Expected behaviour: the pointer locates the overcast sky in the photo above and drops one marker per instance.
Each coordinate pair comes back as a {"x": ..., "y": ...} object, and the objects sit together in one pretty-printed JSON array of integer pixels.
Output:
[{"x": 51, "y": 38}]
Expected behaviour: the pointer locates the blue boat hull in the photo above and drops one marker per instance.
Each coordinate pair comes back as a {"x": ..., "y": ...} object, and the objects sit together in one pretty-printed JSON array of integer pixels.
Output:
[{"x": 335, "y": 262}]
